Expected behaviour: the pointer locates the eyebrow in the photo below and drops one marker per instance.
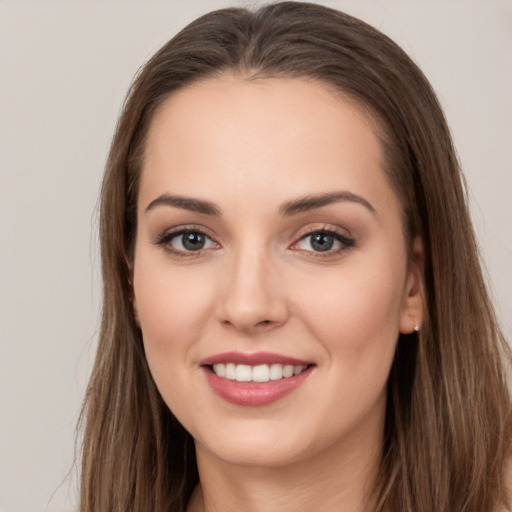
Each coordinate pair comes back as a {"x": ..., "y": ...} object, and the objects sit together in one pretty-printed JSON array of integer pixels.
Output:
[
  {"x": 303, "y": 204},
  {"x": 317, "y": 201},
  {"x": 185, "y": 203}
]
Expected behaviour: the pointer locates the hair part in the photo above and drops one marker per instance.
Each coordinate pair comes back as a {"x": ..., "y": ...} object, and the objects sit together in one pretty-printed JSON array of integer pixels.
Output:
[{"x": 448, "y": 429}]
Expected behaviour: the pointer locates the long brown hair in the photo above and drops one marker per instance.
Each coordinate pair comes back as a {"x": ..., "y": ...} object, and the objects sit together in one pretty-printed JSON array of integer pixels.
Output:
[{"x": 448, "y": 429}]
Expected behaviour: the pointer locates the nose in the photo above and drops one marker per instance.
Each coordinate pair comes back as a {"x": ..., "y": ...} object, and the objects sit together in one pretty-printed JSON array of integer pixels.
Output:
[{"x": 252, "y": 298}]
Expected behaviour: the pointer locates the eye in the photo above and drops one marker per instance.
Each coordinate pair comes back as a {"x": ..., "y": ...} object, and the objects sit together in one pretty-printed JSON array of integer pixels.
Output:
[
  {"x": 323, "y": 241},
  {"x": 186, "y": 241}
]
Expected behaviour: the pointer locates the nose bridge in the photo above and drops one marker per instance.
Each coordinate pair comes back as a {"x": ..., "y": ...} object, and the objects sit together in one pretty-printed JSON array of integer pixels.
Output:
[{"x": 251, "y": 295}]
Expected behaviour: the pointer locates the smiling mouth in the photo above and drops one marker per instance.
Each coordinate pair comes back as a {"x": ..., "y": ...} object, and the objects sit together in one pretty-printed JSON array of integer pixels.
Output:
[
  {"x": 256, "y": 379},
  {"x": 257, "y": 373}
]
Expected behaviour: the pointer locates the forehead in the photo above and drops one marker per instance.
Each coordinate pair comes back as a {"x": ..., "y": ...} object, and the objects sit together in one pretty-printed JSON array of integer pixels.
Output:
[{"x": 278, "y": 136}]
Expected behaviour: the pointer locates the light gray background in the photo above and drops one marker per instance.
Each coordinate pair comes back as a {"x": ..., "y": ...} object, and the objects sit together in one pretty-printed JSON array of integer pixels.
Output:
[{"x": 65, "y": 67}]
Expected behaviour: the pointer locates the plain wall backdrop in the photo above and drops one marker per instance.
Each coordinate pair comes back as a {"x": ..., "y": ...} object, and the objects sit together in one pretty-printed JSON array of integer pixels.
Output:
[{"x": 64, "y": 70}]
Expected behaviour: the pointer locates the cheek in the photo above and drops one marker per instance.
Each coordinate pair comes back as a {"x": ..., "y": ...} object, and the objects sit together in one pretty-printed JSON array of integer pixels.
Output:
[
  {"x": 355, "y": 317},
  {"x": 359, "y": 305},
  {"x": 173, "y": 307}
]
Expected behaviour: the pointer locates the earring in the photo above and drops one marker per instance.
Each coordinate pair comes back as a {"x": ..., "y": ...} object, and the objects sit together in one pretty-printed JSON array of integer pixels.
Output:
[{"x": 416, "y": 327}]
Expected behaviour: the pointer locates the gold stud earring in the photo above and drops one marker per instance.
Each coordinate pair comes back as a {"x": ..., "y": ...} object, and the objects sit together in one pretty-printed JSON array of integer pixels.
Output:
[{"x": 416, "y": 327}]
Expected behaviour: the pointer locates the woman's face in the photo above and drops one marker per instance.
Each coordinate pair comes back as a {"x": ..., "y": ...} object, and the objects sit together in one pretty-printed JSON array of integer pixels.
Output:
[{"x": 271, "y": 277}]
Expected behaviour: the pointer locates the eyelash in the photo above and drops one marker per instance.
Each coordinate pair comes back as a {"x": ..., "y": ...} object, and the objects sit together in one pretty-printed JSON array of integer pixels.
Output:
[
  {"x": 346, "y": 242},
  {"x": 165, "y": 241}
]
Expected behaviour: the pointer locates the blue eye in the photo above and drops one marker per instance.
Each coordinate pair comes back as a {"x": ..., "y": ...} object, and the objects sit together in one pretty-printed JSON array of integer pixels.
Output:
[
  {"x": 191, "y": 241},
  {"x": 186, "y": 241},
  {"x": 324, "y": 241}
]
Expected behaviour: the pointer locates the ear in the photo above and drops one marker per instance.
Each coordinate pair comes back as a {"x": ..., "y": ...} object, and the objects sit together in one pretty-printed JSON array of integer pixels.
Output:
[{"x": 411, "y": 315}]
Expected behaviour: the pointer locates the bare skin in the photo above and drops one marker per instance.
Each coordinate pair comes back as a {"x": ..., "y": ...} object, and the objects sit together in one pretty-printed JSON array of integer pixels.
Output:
[{"x": 233, "y": 256}]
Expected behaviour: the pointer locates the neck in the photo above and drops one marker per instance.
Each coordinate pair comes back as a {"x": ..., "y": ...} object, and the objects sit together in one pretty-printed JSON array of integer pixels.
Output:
[{"x": 340, "y": 478}]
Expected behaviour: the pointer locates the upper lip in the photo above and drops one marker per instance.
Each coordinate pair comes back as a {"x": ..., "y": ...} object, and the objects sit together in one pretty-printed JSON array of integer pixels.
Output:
[{"x": 253, "y": 359}]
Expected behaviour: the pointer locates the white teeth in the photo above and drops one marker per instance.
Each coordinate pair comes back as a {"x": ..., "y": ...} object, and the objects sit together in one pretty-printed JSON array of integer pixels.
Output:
[
  {"x": 220, "y": 370},
  {"x": 288, "y": 370},
  {"x": 276, "y": 372},
  {"x": 259, "y": 373},
  {"x": 298, "y": 369},
  {"x": 230, "y": 371},
  {"x": 243, "y": 373}
]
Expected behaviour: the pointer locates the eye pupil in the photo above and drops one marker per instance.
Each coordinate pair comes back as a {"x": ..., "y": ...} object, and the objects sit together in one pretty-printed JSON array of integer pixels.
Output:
[
  {"x": 193, "y": 241},
  {"x": 322, "y": 242}
]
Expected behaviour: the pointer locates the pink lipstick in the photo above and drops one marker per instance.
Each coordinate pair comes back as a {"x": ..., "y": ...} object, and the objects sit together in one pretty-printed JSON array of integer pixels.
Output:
[{"x": 254, "y": 379}]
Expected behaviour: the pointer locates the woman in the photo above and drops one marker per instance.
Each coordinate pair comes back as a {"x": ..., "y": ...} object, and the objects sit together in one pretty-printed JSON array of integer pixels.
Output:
[{"x": 294, "y": 312}]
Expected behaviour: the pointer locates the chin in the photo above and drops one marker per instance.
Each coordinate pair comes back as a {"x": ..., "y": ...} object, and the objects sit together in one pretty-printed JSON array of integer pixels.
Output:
[
  {"x": 262, "y": 454},
  {"x": 266, "y": 444}
]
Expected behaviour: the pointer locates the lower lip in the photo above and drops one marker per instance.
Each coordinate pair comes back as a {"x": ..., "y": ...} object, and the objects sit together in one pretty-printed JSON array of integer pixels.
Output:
[{"x": 254, "y": 394}]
